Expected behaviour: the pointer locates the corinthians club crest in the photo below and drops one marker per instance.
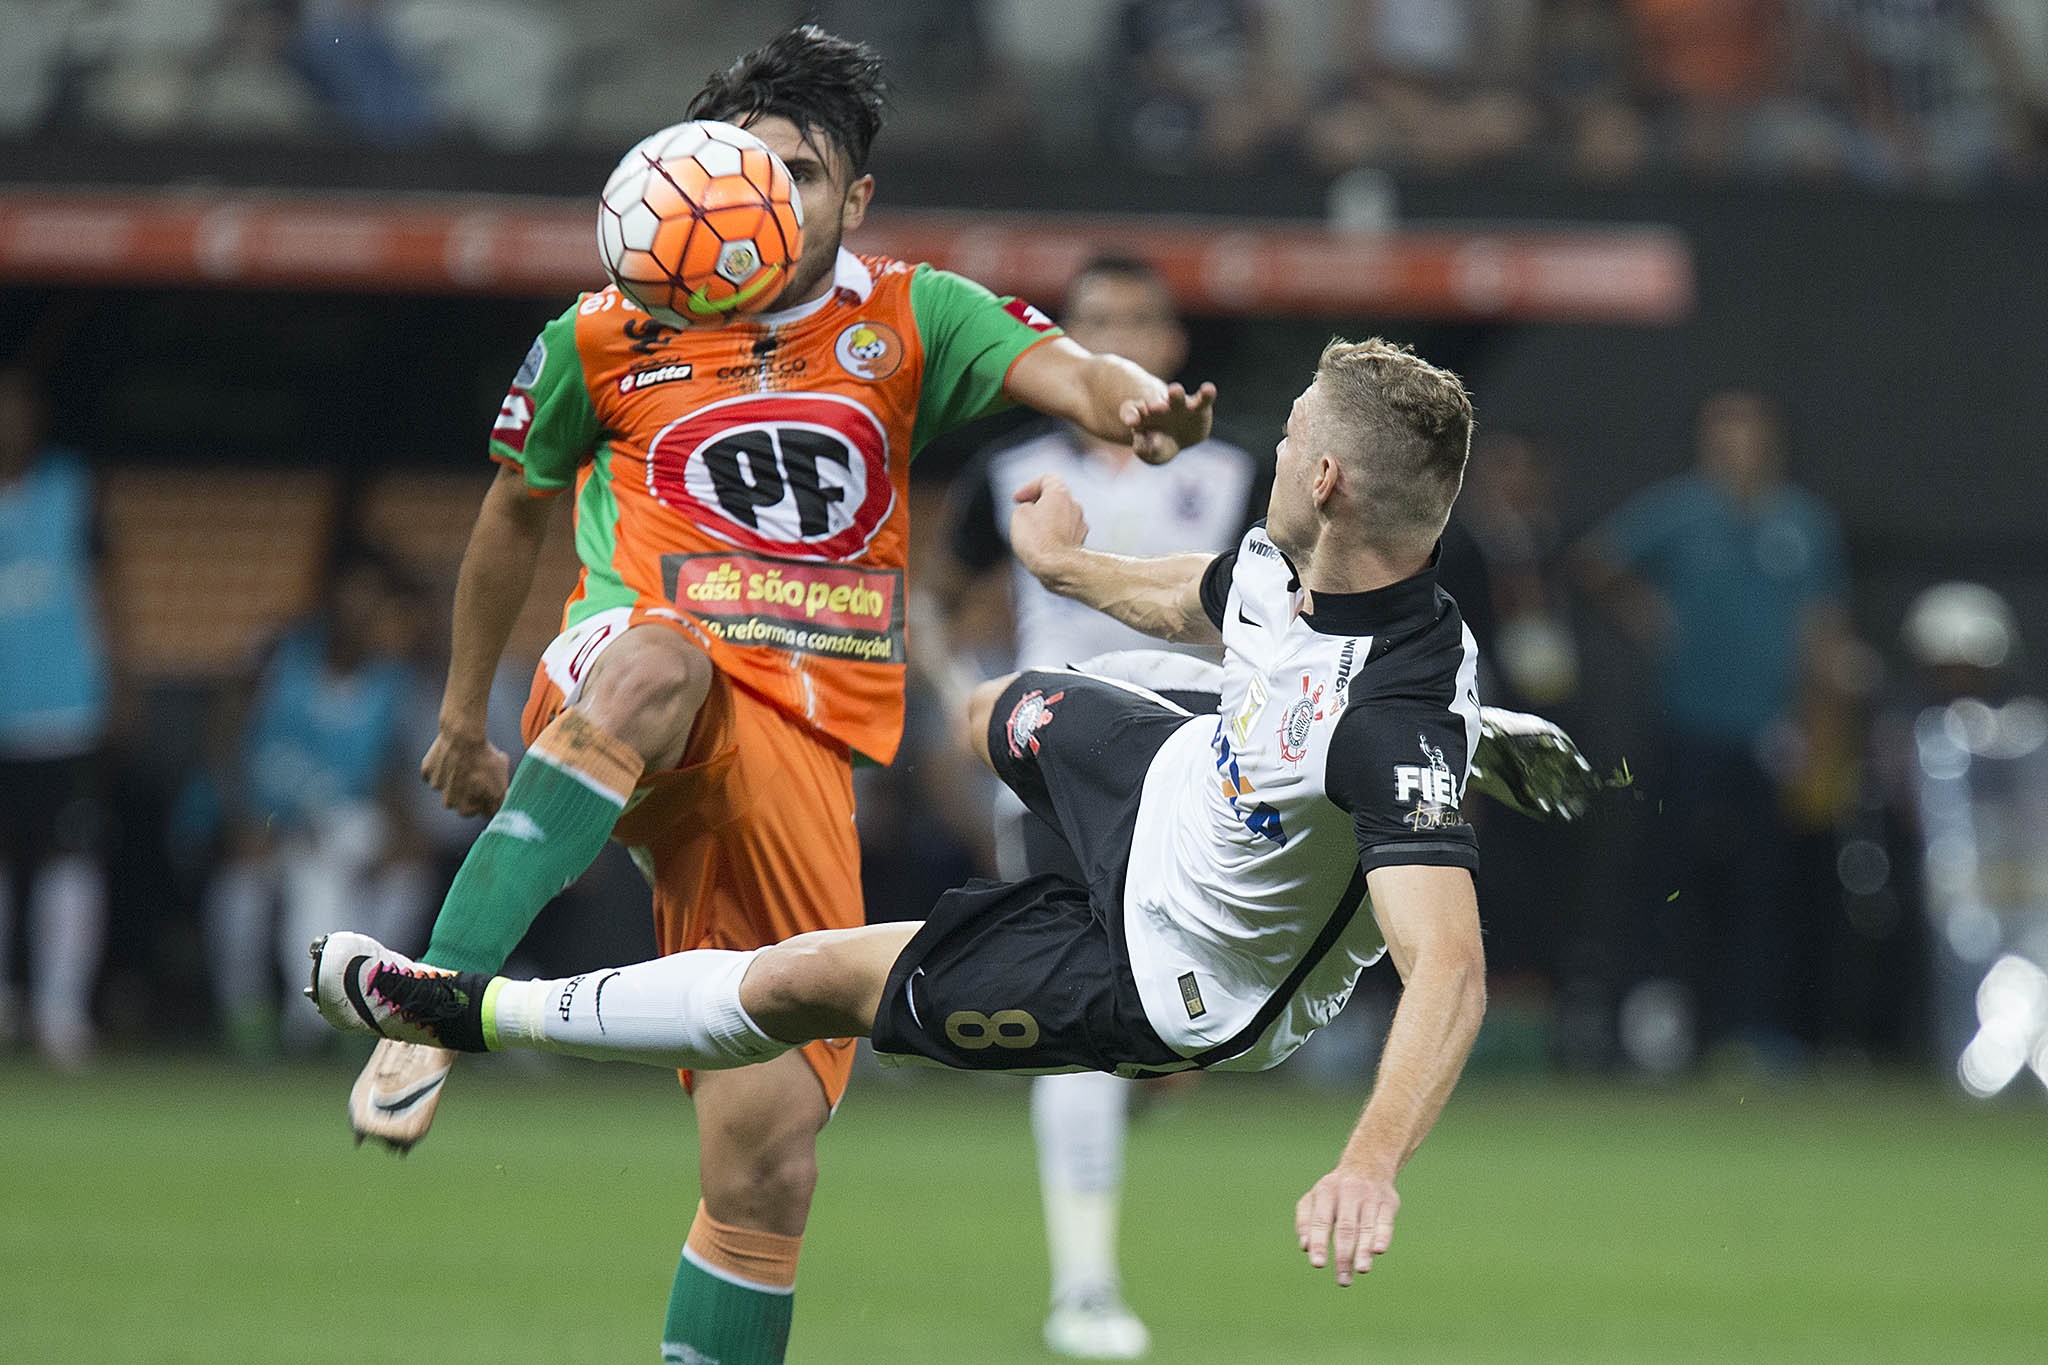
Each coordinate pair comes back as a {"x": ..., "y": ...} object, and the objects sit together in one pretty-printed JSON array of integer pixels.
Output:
[
  {"x": 1032, "y": 713},
  {"x": 1300, "y": 717}
]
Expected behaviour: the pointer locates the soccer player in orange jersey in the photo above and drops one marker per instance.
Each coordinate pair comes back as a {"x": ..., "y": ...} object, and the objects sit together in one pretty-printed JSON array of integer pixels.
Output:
[{"x": 736, "y": 635}]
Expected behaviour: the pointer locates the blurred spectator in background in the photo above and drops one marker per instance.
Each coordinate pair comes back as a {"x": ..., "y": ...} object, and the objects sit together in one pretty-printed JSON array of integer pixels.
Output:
[
  {"x": 1941, "y": 88},
  {"x": 1203, "y": 500},
  {"x": 317, "y": 833},
  {"x": 53, "y": 721},
  {"x": 1735, "y": 580},
  {"x": 495, "y": 68},
  {"x": 1704, "y": 63},
  {"x": 1438, "y": 84},
  {"x": 348, "y": 49},
  {"x": 1510, "y": 508},
  {"x": 1586, "y": 70},
  {"x": 245, "y": 85},
  {"x": 950, "y": 84},
  {"x": 1199, "y": 82}
]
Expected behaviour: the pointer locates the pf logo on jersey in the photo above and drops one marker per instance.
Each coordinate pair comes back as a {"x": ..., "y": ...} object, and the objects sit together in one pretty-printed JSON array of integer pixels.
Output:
[
  {"x": 803, "y": 474},
  {"x": 1300, "y": 717},
  {"x": 1032, "y": 713}
]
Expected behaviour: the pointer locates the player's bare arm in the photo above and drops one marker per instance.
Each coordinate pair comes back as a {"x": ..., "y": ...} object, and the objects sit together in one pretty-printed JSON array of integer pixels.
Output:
[
  {"x": 497, "y": 574},
  {"x": 1161, "y": 597},
  {"x": 1430, "y": 917},
  {"x": 1113, "y": 398}
]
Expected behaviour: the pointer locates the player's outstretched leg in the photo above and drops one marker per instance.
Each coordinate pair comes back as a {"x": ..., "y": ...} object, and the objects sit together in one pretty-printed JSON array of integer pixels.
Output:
[{"x": 704, "y": 1010}]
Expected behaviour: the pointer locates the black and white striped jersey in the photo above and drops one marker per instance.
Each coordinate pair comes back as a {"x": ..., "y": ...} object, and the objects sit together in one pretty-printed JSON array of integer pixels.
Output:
[
  {"x": 1202, "y": 500},
  {"x": 1342, "y": 744}
]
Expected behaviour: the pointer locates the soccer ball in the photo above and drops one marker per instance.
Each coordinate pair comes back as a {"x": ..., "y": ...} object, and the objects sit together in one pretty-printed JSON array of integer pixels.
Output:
[{"x": 699, "y": 224}]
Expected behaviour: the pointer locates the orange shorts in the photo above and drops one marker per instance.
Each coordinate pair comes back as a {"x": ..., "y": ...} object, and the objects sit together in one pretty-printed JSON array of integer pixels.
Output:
[{"x": 751, "y": 837}]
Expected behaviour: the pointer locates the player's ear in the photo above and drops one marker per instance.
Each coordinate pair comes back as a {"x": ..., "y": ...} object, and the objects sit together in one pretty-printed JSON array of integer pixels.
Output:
[
  {"x": 855, "y": 209},
  {"x": 1328, "y": 476}
]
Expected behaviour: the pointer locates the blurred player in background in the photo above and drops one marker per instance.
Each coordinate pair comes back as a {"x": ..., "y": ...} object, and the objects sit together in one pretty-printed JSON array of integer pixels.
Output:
[
  {"x": 736, "y": 635},
  {"x": 1204, "y": 501},
  {"x": 53, "y": 720},
  {"x": 1735, "y": 579},
  {"x": 315, "y": 818}
]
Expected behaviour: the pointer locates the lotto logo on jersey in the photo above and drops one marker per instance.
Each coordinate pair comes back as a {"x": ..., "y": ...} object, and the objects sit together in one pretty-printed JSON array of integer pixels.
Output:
[{"x": 804, "y": 474}]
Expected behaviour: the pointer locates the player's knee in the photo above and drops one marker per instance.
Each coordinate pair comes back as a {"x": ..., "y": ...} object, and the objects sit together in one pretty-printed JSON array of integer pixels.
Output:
[
  {"x": 981, "y": 705},
  {"x": 770, "y": 1186},
  {"x": 791, "y": 991},
  {"x": 648, "y": 693}
]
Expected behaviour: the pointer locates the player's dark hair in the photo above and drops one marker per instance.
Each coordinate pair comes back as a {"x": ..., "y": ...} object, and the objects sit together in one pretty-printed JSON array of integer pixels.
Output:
[
  {"x": 1115, "y": 265},
  {"x": 813, "y": 79}
]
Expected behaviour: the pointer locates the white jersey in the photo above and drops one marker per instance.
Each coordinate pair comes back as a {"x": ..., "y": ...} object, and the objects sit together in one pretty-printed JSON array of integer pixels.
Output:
[
  {"x": 1198, "y": 501},
  {"x": 1342, "y": 745}
]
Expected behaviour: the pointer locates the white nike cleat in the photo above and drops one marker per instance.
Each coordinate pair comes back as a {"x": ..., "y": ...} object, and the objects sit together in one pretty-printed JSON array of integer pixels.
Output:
[
  {"x": 360, "y": 986},
  {"x": 395, "y": 1098},
  {"x": 1096, "y": 1326},
  {"x": 1529, "y": 764}
]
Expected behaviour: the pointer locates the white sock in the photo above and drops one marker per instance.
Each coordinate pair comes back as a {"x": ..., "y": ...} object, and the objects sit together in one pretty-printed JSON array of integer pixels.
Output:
[
  {"x": 238, "y": 913},
  {"x": 67, "y": 930},
  {"x": 1079, "y": 1122},
  {"x": 677, "y": 1011}
]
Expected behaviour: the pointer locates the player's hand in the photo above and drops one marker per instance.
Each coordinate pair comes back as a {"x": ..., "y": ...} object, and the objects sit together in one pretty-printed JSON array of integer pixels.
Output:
[
  {"x": 470, "y": 773},
  {"x": 1165, "y": 426},
  {"x": 1047, "y": 524},
  {"x": 1345, "y": 1220}
]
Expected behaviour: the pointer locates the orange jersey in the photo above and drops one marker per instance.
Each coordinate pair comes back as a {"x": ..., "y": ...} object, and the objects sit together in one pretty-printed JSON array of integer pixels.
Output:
[{"x": 750, "y": 483}]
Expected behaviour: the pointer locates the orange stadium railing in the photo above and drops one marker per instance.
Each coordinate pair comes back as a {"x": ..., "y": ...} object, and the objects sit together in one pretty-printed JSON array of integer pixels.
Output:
[{"x": 1630, "y": 273}]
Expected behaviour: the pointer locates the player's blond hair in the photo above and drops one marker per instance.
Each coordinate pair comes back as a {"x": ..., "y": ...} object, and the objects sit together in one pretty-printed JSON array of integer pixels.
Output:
[{"x": 1404, "y": 426}]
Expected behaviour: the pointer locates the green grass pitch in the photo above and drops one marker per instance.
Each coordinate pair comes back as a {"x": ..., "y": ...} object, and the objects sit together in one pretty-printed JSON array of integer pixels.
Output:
[{"x": 176, "y": 1211}]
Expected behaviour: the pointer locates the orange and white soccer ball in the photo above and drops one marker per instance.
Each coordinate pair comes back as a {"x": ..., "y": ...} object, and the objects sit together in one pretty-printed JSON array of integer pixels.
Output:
[{"x": 699, "y": 224}]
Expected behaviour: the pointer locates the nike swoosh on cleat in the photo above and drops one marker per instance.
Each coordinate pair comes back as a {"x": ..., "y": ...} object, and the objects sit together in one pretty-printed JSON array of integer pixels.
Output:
[
  {"x": 407, "y": 1099},
  {"x": 354, "y": 990}
]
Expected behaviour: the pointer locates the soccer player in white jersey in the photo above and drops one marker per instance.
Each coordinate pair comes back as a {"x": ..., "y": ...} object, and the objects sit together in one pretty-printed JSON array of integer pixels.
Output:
[
  {"x": 1203, "y": 501},
  {"x": 1226, "y": 857}
]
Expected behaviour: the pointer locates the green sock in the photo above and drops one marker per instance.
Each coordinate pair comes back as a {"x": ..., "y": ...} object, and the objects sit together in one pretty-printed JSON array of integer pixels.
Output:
[
  {"x": 711, "y": 1318},
  {"x": 564, "y": 799}
]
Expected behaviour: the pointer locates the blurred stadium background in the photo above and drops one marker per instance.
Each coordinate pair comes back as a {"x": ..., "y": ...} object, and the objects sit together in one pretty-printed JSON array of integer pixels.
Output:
[{"x": 1768, "y": 1038}]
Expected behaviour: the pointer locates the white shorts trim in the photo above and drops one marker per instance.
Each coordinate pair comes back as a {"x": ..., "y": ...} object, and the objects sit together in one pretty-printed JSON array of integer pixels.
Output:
[{"x": 569, "y": 657}]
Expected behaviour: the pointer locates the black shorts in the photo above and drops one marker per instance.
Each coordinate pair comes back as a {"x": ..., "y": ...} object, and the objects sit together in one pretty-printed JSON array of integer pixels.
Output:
[
  {"x": 1033, "y": 975},
  {"x": 50, "y": 807},
  {"x": 1045, "y": 848}
]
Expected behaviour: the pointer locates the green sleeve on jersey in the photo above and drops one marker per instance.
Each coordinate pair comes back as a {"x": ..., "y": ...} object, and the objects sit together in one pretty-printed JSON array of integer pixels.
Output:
[
  {"x": 548, "y": 426},
  {"x": 970, "y": 341}
]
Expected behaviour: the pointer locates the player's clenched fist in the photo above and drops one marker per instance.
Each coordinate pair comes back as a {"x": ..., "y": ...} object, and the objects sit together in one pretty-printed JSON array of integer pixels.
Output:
[
  {"x": 1047, "y": 524},
  {"x": 470, "y": 774},
  {"x": 1169, "y": 422},
  {"x": 1345, "y": 1220}
]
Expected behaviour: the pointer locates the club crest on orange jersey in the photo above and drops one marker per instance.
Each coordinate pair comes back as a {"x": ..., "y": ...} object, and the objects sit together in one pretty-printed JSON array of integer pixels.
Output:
[{"x": 869, "y": 350}]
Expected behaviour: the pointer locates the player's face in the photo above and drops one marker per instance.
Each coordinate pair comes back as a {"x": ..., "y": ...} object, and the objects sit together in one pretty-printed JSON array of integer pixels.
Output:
[
  {"x": 1291, "y": 510},
  {"x": 1738, "y": 437},
  {"x": 834, "y": 199},
  {"x": 1130, "y": 316}
]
